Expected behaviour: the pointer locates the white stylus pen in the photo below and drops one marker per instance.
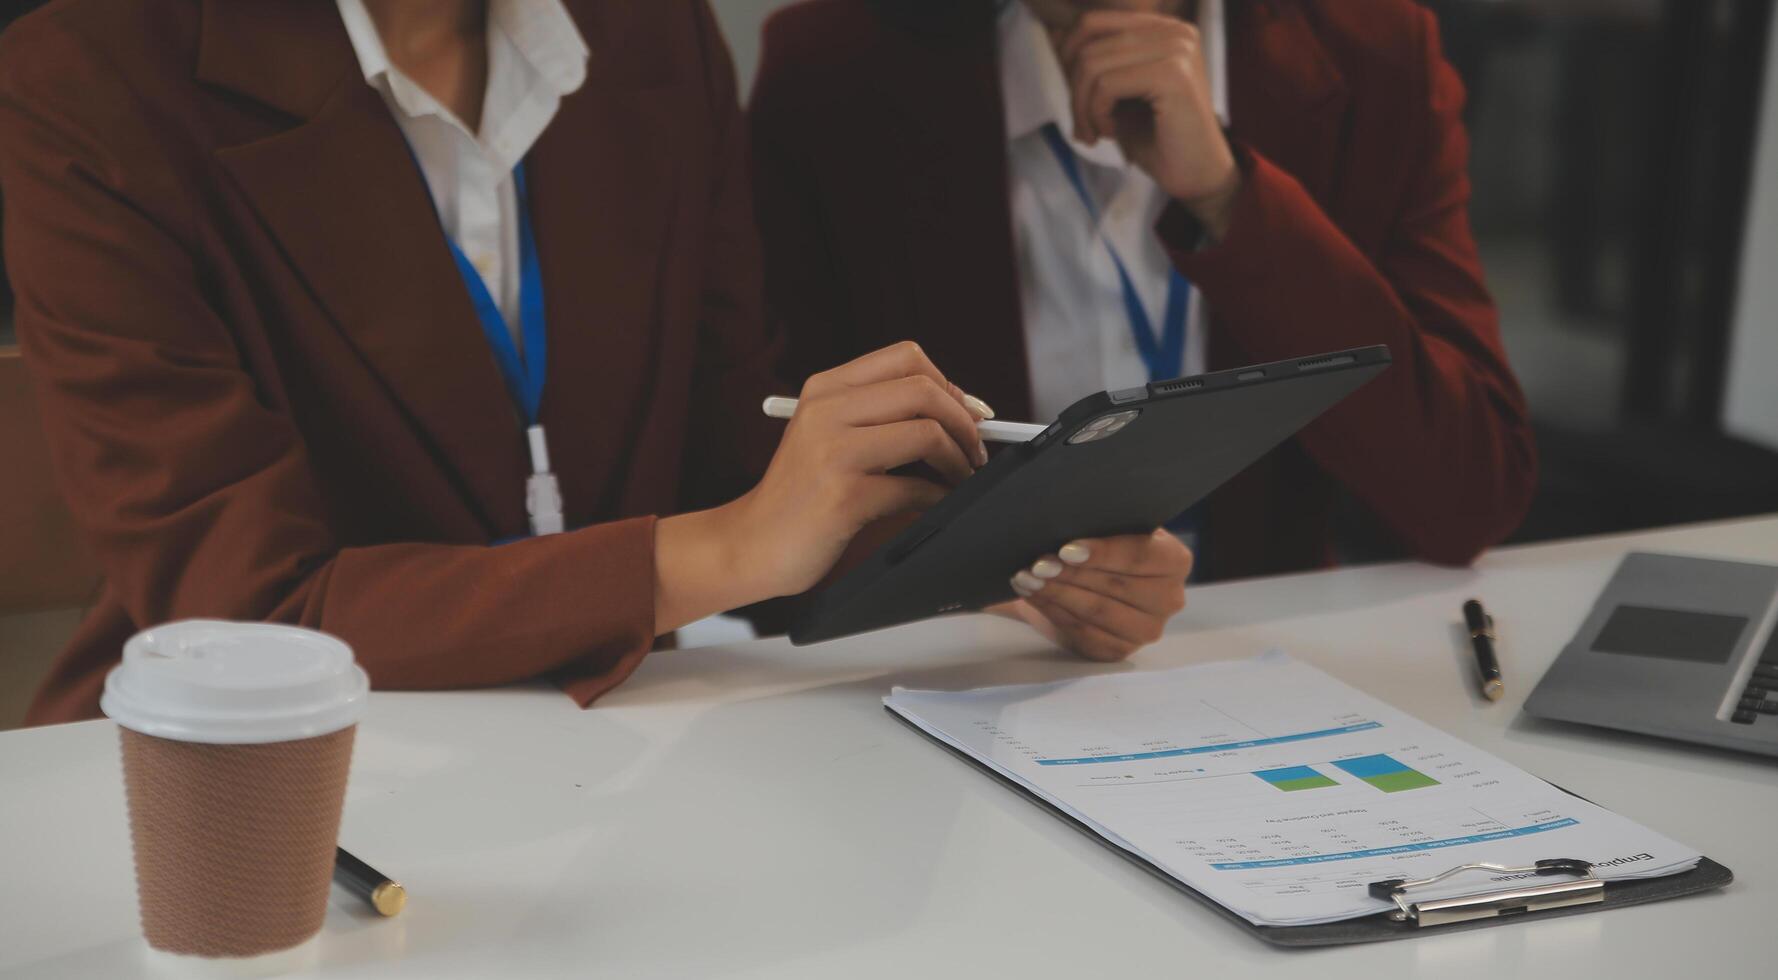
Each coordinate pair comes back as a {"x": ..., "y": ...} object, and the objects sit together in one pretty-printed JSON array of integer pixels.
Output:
[{"x": 991, "y": 430}]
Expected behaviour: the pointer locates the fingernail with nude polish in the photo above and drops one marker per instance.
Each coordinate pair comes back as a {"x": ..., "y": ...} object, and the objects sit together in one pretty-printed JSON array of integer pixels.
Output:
[
  {"x": 976, "y": 405},
  {"x": 1046, "y": 568},
  {"x": 1025, "y": 583},
  {"x": 1074, "y": 553}
]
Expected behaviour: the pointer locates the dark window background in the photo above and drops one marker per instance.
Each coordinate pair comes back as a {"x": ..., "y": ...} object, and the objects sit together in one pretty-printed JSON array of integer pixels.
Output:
[{"x": 1611, "y": 157}]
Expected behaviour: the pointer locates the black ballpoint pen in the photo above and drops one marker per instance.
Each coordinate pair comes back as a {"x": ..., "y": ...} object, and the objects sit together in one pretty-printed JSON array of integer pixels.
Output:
[
  {"x": 1481, "y": 637},
  {"x": 382, "y": 892}
]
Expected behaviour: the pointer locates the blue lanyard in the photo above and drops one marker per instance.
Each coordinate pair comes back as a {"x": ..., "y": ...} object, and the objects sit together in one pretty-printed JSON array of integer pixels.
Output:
[
  {"x": 1164, "y": 355},
  {"x": 523, "y": 374}
]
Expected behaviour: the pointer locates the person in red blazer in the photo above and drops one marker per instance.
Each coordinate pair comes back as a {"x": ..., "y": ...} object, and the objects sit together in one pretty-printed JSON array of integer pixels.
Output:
[
  {"x": 1331, "y": 213},
  {"x": 268, "y": 379}
]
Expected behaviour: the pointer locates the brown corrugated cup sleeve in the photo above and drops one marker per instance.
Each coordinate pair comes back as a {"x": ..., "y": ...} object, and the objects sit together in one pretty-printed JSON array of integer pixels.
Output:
[{"x": 234, "y": 843}]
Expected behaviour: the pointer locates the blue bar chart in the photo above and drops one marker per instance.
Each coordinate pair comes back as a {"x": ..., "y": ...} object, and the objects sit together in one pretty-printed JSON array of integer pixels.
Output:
[{"x": 1386, "y": 773}]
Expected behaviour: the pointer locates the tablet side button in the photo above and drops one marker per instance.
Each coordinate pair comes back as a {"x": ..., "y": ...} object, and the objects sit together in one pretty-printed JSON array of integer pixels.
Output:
[{"x": 916, "y": 538}]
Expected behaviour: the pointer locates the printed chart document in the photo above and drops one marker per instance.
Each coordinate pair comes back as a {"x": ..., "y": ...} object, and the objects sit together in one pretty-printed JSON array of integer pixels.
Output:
[{"x": 1275, "y": 790}]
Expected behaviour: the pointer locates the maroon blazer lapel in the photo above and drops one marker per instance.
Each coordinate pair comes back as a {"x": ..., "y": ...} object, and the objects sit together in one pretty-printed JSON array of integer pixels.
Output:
[
  {"x": 341, "y": 194},
  {"x": 938, "y": 110},
  {"x": 1287, "y": 98},
  {"x": 960, "y": 198},
  {"x": 602, "y": 184},
  {"x": 1288, "y": 101}
]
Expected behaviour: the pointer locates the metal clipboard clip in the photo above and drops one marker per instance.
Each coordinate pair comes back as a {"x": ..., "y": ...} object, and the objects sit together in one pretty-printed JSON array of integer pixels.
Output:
[{"x": 1584, "y": 890}]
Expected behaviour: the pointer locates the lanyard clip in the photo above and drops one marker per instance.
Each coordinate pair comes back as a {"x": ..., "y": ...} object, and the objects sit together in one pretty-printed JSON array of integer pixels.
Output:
[{"x": 543, "y": 496}]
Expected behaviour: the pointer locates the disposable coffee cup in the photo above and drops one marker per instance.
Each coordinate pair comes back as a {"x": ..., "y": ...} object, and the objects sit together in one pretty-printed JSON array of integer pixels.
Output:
[{"x": 236, "y": 739}]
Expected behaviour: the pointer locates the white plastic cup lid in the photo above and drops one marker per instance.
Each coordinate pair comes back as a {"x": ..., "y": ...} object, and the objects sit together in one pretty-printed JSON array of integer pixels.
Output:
[{"x": 205, "y": 680}]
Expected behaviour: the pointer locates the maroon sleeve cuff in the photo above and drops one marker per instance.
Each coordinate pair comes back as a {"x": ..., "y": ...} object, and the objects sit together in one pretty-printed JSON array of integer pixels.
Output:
[{"x": 622, "y": 573}]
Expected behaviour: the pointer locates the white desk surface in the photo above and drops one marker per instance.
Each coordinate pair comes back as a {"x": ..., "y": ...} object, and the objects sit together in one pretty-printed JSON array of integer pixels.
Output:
[{"x": 752, "y": 811}]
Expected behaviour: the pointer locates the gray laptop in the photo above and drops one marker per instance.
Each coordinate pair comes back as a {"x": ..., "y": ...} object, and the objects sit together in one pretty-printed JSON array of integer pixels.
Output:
[{"x": 1679, "y": 647}]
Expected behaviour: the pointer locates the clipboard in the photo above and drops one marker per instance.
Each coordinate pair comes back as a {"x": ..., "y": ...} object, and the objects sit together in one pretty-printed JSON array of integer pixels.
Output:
[{"x": 1410, "y": 918}]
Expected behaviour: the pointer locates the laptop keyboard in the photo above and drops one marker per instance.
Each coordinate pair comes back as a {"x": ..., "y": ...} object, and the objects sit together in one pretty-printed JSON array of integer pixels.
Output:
[{"x": 1761, "y": 696}]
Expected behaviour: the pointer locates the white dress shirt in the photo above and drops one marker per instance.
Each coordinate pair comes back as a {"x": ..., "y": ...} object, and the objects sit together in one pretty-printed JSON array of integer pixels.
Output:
[
  {"x": 535, "y": 57},
  {"x": 1077, "y": 332}
]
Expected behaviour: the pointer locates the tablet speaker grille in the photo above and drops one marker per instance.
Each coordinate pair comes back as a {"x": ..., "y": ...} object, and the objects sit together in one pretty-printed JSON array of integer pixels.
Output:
[
  {"x": 1333, "y": 360},
  {"x": 1176, "y": 386}
]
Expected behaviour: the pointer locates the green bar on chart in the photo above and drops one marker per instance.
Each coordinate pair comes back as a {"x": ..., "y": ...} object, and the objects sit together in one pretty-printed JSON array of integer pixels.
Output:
[
  {"x": 1386, "y": 774},
  {"x": 1293, "y": 778}
]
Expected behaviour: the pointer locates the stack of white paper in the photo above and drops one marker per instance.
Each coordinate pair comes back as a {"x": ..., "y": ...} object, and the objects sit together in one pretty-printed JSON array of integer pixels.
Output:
[{"x": 1274, "y": 789}]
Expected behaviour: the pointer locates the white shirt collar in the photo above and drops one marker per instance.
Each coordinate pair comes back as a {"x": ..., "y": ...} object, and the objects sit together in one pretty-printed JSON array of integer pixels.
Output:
[
  {"x": 541, "y": 31},
  {"x": 1034, "y": 90}
]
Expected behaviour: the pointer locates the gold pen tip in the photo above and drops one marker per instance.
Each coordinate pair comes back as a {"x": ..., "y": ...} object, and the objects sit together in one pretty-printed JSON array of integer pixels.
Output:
[
  {"x": 389, "y": 898},
  {"x": 1494, "y": 690}
]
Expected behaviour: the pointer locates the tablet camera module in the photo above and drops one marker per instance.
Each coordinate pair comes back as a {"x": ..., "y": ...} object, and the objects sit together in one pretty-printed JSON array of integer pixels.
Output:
[{"x": 1104, "y": 427}]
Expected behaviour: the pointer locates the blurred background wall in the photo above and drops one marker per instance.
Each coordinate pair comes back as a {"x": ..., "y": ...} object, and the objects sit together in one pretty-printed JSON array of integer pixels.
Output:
[
  {"x": 1614, "y": 167},
  {"x": 1751, "y": 411},
  {"x": 741, "y": 21}
]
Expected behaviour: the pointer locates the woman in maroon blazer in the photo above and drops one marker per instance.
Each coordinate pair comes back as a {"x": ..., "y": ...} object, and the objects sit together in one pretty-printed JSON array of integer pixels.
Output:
[
  {"x": 893, "y": 184},
  {"x": 267, "y": 376}
]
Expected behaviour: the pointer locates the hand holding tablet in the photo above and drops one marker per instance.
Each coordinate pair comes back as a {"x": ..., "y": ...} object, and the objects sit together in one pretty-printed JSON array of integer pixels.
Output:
[
  {"x": 1110, "y": 596},
  {"x": 1104, "y": 598},
  {"x": 1114, "y": 464}
]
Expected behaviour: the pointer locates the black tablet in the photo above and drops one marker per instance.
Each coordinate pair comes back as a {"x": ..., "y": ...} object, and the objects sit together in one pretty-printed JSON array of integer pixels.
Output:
[{"x": 1118, "y": 462}]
